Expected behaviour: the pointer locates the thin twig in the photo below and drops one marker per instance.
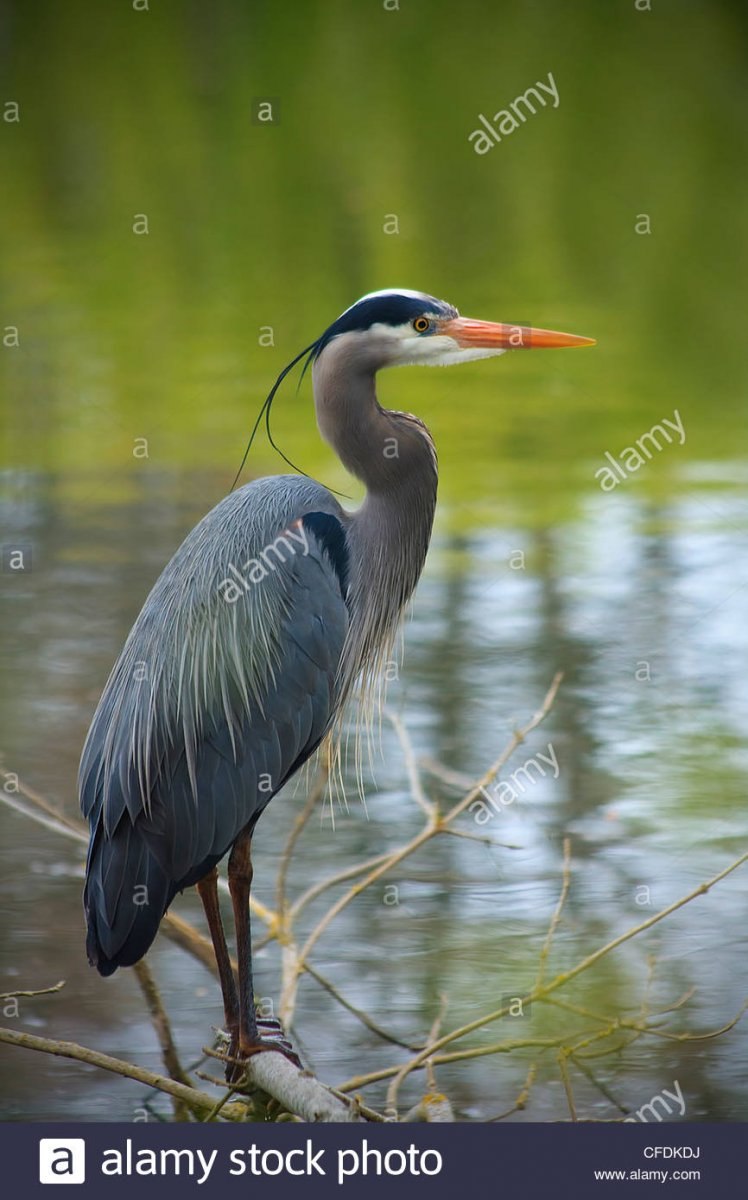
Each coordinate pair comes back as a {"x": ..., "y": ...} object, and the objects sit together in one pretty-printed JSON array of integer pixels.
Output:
[
  {"x": 39, "y": 992},
  {"x": 433, "y": 1034},
  {"x": 516, "y": 740},
  {"x": 433, "y": 827},
  {"x": 184, "y": 934},
  {"x": 584, "y": 965},
  {"x": 604, "y": 1090},
  {"x": 480, "y": 838},
  {"x": 392, "y": 1097},
  {"x": 521, "y": 1102},
  {"x": 331, "y": 881},
  {"x": 411, "y": 766},
  {"x": 196, "y": 1101},
  {"x": 40, "y": 818},
  {"x": 359, "y": 1013},
  {"x": 562, "y": 1057},
  {"x": 457, "y": 780},
  {"x": 160, "y": 1021},
  {"x": 566, "y": 877},
  {"x": 46, "y": 806},
  {"x": 316, "y": 792}
]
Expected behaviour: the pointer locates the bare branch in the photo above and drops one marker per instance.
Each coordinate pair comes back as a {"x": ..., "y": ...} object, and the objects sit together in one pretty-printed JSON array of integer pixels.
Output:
[
  {"x": 39, "y": 992},
  {"x": 411, "y": 766},
  {"x": 566, "y": 878},
  {"x": 560, "y": 980},
  {"x": 562, "y": 1059},
  {"x": 517, "y": 739},
  {"x": 144, "y": 976},
  {"x": 273, "y": 1088},
  {"x": 357, "y": 1012},
  {"x": 197, "y": 1102},
  {"x": 391, "y": 1103},
  {"x": 54, "y": 823},
  {"x": 296, "y": 1090},
  {"x": 183, "y": 934},
  {"x": 521, "y": 1102},
  {"x": 332, "y": 880},
  {"x": 434, "y": 825},
  {"x": 457, "y": 780},
  {"x": 316, "y": 792}
]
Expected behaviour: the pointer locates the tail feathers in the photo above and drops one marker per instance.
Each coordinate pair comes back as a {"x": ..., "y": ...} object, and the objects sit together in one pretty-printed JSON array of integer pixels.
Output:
[{"x": 125, "y": 897}]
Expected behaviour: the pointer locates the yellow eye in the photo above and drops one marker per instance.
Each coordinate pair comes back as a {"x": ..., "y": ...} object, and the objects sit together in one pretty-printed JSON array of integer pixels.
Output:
[{"x": 421, "y": 324}]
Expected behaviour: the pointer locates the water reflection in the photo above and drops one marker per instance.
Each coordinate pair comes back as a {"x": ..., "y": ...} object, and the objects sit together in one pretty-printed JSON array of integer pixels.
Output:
[
  {"x": 650, "y": 787},
  {"x": 638, "y": 595}
]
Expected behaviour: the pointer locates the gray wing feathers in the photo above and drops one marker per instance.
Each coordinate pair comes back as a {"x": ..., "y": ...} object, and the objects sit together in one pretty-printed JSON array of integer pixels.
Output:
[{"x": 217, "y": 697}]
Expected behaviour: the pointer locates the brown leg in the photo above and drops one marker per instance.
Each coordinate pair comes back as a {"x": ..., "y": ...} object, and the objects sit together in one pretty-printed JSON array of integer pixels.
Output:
[
  {"x": 247, "y": 1039},
  {"x": 240, "y": 882},
  {"x": 208, "y": 891}
]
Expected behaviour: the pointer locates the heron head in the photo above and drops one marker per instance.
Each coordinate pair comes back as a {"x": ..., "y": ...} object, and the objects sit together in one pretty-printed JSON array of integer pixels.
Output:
[{"x": 395, "y": 327}]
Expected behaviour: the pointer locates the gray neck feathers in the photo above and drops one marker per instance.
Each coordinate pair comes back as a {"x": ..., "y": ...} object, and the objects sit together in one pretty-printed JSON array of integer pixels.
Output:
[{"x": 393, "y": 455}]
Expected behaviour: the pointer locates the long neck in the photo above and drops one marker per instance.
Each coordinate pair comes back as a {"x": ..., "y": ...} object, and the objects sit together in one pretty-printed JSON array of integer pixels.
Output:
[{"x": 388, "y": 538}]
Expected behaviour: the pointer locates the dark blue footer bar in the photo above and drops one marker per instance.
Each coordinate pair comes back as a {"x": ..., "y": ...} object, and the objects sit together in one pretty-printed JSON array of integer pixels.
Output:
[{"x": 390, "y": 1160}]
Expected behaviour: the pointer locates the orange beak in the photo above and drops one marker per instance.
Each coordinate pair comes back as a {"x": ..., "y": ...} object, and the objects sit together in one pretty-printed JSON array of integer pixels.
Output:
[{"x": 491, "y": 335}]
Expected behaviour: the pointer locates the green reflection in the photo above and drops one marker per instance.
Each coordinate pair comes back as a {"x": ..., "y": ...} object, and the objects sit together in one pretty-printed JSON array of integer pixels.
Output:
[{"x": 157, "y": 335}]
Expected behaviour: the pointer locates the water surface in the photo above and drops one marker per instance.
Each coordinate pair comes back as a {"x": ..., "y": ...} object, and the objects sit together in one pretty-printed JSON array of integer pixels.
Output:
[{"x": 638, "y": 594}]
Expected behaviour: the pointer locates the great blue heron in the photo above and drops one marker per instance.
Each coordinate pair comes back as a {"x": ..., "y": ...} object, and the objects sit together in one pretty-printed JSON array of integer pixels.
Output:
[{"x": 252, "y": 638}]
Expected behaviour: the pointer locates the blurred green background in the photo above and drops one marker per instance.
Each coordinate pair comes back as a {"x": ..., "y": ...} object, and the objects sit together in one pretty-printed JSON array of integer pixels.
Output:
[{"x": 125, "y": 113}]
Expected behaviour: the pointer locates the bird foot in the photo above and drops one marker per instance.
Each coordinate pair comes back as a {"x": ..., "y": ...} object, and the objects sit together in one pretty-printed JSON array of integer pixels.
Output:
[{"x": 270, "y": 1035}]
